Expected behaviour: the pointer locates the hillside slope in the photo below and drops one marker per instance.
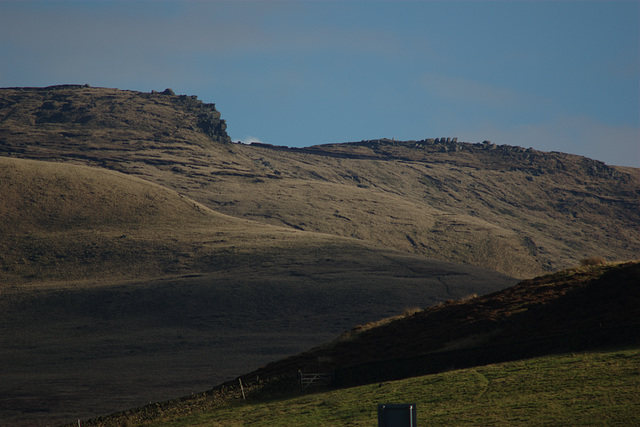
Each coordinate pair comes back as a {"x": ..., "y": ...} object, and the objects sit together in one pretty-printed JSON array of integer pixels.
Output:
[
  {"x": 581, "y": 309},
  {"x": 572, "y": 310},
  {"x": 69, "y": 222},
  {"x": 520, "y": 212},
  {"x": 109, "y": 282}
]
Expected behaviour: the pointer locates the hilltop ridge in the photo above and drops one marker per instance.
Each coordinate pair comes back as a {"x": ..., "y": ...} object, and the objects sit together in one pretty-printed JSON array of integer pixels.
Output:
[
  {"x": 80, "y": 105},
  {"x": 66, "y": 117},
  {"x": 489, "y": 154}
]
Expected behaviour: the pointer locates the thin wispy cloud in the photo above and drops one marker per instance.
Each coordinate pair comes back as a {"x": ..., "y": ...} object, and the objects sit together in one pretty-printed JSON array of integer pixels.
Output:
[
  {"x": 459, "y": 89},
  {"x": 250, "y": 139}
]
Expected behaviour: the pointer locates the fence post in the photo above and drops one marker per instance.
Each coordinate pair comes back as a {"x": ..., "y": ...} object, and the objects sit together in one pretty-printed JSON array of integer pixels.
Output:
[{"x": 242, "y": 389}]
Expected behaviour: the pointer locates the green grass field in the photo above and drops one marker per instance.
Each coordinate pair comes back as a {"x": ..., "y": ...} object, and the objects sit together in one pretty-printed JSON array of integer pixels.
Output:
[{"x": 600, "y": 388}]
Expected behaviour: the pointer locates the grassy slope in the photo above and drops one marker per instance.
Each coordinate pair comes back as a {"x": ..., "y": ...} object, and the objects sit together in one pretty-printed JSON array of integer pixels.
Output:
[
  {"x": 521, "y": 212},
  {"x": 502, "y": 217},
  {"x": 66, "y": 222},
  {"x": 63, "y": 222},
  {"x": 598, "y": 388}
]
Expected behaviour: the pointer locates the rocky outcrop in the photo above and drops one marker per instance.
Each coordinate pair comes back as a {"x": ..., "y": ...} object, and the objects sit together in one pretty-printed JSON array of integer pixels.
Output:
[
  {"x": 87, "y": 109},
  {"x": 210, "y": 123}
]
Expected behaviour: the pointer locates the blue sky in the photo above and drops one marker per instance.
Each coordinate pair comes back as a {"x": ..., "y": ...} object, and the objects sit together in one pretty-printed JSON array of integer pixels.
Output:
[{"x": 552, "y": 75}]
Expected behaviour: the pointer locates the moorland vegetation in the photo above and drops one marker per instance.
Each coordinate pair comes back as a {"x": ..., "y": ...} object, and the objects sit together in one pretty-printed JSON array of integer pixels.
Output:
[{"x": 518, "y": 211}]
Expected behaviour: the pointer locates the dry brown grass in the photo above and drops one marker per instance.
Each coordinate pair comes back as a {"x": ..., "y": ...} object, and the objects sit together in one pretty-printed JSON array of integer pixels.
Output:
[
  {"x": 593, "y": 260},
  {"x": 63, "y": 222},
  {"x": 520, "y": 212},
  {"x": 357, "y": 330},
  {"x": 410, "y": 311}
]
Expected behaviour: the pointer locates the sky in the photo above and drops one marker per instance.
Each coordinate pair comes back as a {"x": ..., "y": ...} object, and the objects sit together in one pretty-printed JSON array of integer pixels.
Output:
[{"x": 551, "y": 75}]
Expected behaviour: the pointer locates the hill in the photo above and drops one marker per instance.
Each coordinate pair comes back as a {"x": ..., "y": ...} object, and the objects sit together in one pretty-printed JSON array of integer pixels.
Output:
[
  {"x": 67, "y": 222},
  {"x": 582, "y": 309},
  {"x": 142, "y": 250},
  {"x": 572, "y": 310},
  {"x": 518, "y": 211},
  {"x": 109, "y": 282}
]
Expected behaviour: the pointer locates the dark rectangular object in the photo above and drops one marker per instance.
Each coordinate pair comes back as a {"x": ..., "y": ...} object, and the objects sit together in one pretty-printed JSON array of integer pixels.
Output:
[{"x": 397, "y": 415}]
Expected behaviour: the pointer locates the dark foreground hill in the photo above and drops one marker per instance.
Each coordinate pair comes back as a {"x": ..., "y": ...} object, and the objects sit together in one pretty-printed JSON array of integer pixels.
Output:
[
  {"x": 518, "y": 211},
  {"x": 582, "y": 309},
  {"x": 572, "y": 310}
]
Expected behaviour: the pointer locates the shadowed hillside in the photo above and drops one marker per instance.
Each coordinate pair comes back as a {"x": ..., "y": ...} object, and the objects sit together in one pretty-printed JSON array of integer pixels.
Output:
[
  {"x": 520, "y": 212},
  {"x": 109, "y": 282},
  {"x": 573, "y": 310},
  {"x": 576, "y": 310}
]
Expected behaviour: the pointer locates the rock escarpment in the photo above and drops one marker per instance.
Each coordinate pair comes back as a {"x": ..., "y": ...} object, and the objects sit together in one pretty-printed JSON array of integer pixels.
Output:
[{"x": 76, "y": 111}]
